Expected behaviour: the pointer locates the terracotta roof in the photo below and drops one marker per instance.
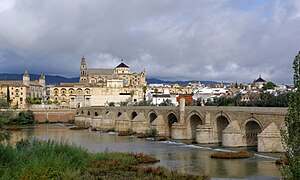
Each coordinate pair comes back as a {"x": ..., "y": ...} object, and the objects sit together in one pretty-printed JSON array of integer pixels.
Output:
[
  {"x": 12, "y": 83},
  {"x": 35, "y": 83},
  {"x": 122, "y": 65}
]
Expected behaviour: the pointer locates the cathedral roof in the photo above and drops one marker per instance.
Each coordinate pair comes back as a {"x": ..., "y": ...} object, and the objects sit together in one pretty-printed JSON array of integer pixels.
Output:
[
  {"x": 99, "y": 71},
  {"x": 260, "y": 80},
  {"x": 122, "y": 65}
]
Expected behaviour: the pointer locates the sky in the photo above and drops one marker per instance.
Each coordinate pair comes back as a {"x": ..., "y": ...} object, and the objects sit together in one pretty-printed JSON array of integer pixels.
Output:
[{"x": 221, "y": 40}]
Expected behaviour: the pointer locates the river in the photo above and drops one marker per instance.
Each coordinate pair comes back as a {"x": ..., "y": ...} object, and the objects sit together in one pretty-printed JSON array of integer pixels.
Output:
[{"x": 172, "y": 155}]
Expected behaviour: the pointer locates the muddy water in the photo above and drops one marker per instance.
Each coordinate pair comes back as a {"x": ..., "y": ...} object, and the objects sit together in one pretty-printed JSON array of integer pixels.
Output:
[{"x": 173, "y": 155}]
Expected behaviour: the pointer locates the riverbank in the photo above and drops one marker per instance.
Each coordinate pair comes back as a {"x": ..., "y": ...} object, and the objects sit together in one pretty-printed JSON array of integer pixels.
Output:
[
  {"x": 38, "y": 159},
  {"x": 175, "y": 156}
]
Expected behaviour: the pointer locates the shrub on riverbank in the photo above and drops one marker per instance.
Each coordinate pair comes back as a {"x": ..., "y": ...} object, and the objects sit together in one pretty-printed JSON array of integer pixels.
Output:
[
  {"x": 282, "y": 160},
  {"x": 231, "y": 155},
  {"x": 149, "y": 133},
  {"x": 50, "y": 160},
  {"x": 78, "y": 128},
  {"x": 24, "y": 117}
]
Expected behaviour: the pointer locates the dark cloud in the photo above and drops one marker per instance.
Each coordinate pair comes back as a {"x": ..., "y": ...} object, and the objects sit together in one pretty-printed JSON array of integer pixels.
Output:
[{"x": 224, "y": 40}]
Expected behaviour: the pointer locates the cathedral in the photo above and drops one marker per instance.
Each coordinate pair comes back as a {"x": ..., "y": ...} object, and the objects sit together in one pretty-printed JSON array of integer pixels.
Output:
[
  {"x": 100, "y": 87},
  {"x": 120, "y": 76}
]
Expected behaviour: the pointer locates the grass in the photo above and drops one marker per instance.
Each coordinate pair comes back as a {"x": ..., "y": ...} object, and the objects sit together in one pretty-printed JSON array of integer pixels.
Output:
[
  {"x": 232, "y": 155},
  {"x": 37, "y": 159}
]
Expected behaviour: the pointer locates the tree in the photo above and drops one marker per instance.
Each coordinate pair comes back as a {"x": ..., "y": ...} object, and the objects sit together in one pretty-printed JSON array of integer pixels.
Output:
[
  {"x": 144, "y": 91},
  {"x": 166, "y": 102},
  {"x": 269, "y": 85},
  {"x": 292, "y": 122},
  {"x": 111, "y": 104}
]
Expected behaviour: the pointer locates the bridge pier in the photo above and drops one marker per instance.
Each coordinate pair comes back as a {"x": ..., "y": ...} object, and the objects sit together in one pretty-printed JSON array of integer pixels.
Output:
[
  {"x": 79, "y": 120},
  {"x": 139, "y": 124},
  {"x": 179, "y": 131},
  {"x": 159, "y": 125},
  {"x": 232, "y": 136},
  {"x": 204, "y": 134},
  {"x": 123, "y": 122},
  {"x": 108, "y": 121},
  {"x": 270, "y": 140},
  {"x": 96, "y": 122}
]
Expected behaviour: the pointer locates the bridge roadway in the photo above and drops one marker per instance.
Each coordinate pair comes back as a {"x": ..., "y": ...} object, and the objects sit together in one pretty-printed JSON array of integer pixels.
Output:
[{"x": 229, "y": 126}]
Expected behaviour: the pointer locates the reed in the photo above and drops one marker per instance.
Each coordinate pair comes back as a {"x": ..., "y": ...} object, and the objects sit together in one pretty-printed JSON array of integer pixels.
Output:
[
  {"x": 232, "y": 155},
  {"x": 37, "y": 159}
]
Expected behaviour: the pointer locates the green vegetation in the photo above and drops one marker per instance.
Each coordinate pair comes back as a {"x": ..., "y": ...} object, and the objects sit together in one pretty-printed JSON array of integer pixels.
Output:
[
  {"x": 263, "y": 99},
  {"x": 112, "y": 104},
  {"x": 50, "y": 160},
  {"x": 269, "y": 85},
  {"x": 231, "y": 155},
  {"x": 167, "y": 102},
  {"x": 149, "y": 133},
  {"x": 143, "y": 103},
  {"x": 4, "y": 118},
  {"x": 291, "y": 134},
  {"x": 24, "y": 117},
  {"x": 282, "y": 160}
]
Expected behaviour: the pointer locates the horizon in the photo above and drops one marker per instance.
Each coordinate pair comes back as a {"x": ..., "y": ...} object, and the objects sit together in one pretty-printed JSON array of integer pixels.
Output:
[
  {"x": 171, "y": 39},
  {"x": 149, "y": 77}
]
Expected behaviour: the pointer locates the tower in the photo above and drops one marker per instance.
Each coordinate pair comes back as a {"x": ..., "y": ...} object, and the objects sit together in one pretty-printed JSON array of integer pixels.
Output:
[
  {"x": 26, "y": 78},
  {"x": 42, "y": 80},
  {"x": 83, "y": 69}
]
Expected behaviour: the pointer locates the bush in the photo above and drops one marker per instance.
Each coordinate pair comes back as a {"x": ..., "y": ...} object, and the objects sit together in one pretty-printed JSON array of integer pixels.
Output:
[
  {"x": 231, "y": 155},
  {"x": 24, "y": 117}
]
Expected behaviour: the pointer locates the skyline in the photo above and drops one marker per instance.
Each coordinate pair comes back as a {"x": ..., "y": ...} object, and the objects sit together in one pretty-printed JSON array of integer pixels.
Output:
[{"x": 226, "y": 40}]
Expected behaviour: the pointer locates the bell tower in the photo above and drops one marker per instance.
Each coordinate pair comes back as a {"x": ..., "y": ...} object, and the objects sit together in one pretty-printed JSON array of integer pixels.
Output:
[{"x": 83, "y": 71}]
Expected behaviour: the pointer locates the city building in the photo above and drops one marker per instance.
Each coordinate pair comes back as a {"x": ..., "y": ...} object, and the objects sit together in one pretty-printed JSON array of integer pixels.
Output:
[
  {"x": 20, "y": 92},
  {"x": 100, "y": 87}
]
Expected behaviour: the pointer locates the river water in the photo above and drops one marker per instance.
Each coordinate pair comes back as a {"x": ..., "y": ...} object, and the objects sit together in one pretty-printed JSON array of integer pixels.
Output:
[{"x": 172, "y": 155}]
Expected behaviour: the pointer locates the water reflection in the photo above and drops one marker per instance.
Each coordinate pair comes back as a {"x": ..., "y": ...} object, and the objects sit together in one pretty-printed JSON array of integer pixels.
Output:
[{"x": 179, "y": 157}]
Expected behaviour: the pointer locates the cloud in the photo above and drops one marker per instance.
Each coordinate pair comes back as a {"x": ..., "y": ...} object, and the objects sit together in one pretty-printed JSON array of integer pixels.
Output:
[{"x": 224, "y": 40}]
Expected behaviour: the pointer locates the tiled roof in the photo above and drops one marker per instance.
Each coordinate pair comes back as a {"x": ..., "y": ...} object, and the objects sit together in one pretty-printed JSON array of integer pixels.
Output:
[
  {"x": 12, "y": 83},
  {"x": 95, "y": 71},
  {"x": 122, "y": 65}
]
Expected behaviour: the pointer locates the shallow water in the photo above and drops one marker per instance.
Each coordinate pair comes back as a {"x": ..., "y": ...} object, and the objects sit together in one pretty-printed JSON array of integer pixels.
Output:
[{"x": 172, "y": 155}]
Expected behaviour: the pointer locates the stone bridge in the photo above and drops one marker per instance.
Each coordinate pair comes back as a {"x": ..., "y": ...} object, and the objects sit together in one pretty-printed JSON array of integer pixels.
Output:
[{"x": 229, "y": 126}]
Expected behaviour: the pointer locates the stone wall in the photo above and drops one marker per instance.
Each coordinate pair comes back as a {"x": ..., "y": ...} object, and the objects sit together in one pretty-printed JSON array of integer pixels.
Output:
[{"x": 54, "y": 115}]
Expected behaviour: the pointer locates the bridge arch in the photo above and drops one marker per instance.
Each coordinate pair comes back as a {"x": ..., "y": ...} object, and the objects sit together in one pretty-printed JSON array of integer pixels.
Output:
[
  {"x": 171, "y": 119},
  {"x": 222, "y": 120},
  {"x": 252, "y": 129},
  {"x": 133, "y": 115},
  {"x": 119, "y": 114},
  {"x": 194, "y": 119},
  {"x": 152, "y": 115}
]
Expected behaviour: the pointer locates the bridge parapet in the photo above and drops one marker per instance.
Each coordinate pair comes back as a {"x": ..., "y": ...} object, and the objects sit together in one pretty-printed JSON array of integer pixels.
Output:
[{"x": 209, "y": 124}]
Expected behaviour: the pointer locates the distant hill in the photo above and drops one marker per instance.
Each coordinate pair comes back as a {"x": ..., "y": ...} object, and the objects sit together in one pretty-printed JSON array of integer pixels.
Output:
[
  {"x": 60, "y": 79},
  {"x": 49, "y": 78},
  {"x": 158, "y": 81}
]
